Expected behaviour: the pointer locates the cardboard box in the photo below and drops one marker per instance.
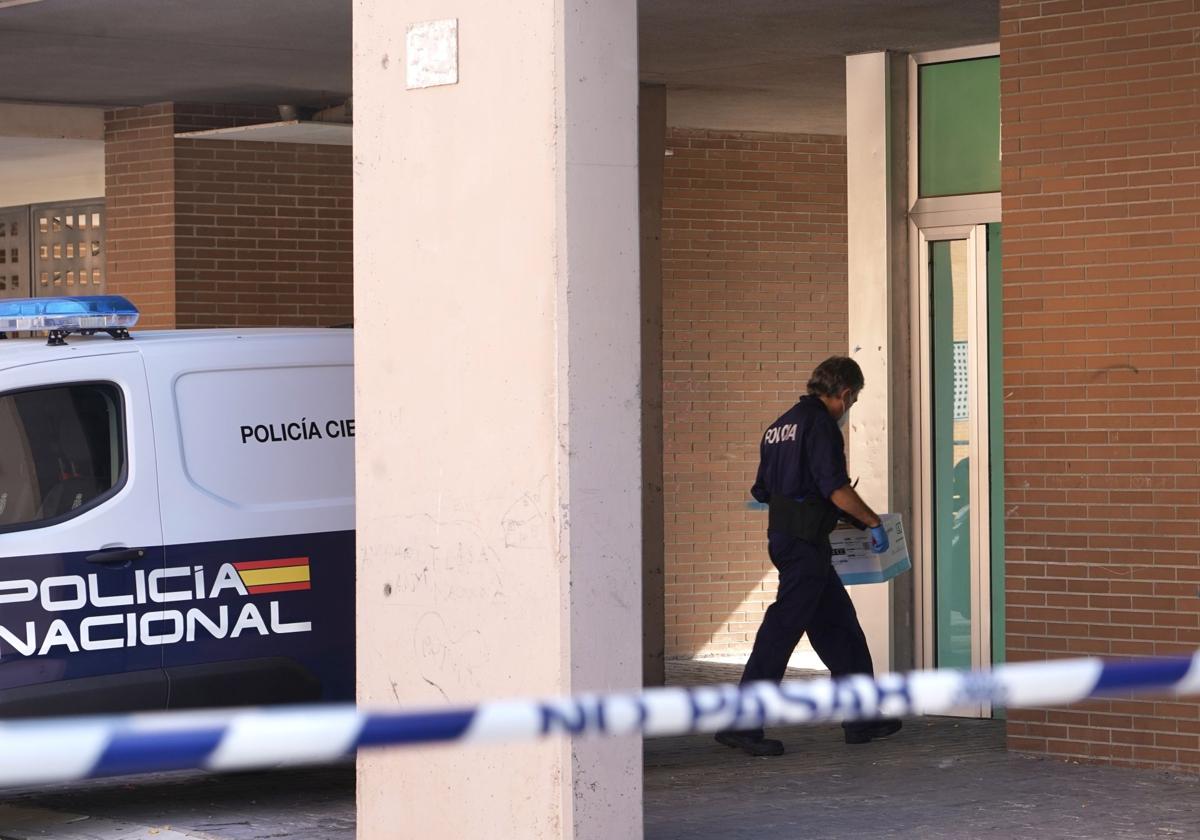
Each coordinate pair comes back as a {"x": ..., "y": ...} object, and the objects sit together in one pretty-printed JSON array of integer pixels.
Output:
[{"x": 856, "y": 563}]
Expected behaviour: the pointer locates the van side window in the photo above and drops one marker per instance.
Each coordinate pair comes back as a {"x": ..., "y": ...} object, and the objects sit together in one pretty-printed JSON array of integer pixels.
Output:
[{"x": 62, "y": 451}]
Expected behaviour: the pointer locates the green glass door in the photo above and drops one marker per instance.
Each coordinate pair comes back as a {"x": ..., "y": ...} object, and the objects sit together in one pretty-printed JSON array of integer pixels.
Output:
[
  {"x": 965, "y": 486},
  {"x": 950, "y": 278}
]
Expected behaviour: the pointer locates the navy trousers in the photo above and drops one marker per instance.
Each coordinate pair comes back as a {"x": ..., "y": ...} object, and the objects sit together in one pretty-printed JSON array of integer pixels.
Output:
[{"x": 813, "y": 600}]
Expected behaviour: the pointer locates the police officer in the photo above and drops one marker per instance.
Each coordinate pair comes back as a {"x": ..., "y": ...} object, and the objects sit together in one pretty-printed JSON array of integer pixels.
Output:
[{"x": 802, "y": 478}]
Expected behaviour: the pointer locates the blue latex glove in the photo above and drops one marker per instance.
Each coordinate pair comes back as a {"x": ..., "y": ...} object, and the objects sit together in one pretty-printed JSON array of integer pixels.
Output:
[{"x": 879, "y": 539}]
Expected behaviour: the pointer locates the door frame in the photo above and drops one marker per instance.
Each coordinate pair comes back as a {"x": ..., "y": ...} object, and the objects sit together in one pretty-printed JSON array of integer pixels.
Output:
[
  {"x": 975, "y": 235},
  {"x": 933, "y": 219}
]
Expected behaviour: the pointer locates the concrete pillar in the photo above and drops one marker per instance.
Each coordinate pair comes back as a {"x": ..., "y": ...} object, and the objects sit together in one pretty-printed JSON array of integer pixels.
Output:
[
  {"x": 876, "y": 186},
  {"x": 497, "y": 346},
  {"x": 652, "y": 144}
]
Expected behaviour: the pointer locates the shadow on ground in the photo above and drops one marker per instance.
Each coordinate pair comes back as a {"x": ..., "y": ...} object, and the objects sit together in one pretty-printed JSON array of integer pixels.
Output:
[{"x": 936, "y": 778}]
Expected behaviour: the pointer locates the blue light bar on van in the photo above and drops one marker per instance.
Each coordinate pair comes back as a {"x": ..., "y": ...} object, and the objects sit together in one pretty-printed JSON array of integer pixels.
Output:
[{"x": 61, "y": 316}]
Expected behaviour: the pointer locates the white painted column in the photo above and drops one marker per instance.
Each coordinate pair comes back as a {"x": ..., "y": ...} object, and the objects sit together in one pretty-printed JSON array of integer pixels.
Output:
[
  {"x": 497, "y": 365},
  {"x": 871, "y": 241}
]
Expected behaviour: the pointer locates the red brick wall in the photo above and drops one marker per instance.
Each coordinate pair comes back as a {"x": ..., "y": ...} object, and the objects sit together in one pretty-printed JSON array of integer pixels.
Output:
[
  {"x": 139, "y": 192},
  {"x": 1101, "y": 131},
  {"x": 260, "y": 233},
  {"x": 754, "y": 273}
]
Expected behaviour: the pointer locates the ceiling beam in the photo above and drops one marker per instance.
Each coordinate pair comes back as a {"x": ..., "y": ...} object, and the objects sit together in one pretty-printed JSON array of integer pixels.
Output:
[{"x": 51, "y": 122}]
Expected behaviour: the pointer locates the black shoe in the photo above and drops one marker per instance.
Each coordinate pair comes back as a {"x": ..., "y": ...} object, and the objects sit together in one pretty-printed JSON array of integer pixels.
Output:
[
  {"x": 861, "y": 734},
  {"x": 750, "y": 744}
]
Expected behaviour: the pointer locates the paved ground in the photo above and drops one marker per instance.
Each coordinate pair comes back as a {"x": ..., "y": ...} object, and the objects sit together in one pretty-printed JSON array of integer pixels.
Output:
[
  {"x": 938, "y": 778},
  {"x": 313, "y": 804}
]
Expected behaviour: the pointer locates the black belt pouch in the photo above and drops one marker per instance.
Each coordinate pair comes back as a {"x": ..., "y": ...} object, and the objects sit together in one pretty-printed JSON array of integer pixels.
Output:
[{"x": 811, "y": 519}]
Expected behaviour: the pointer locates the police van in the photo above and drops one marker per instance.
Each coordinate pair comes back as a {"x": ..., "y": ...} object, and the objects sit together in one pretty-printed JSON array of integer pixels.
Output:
[{"x": 176, "y": 513}]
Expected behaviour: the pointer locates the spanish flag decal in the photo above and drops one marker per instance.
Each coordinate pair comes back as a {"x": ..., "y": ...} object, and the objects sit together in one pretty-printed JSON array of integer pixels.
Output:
[{"x": 263, "y": 576}]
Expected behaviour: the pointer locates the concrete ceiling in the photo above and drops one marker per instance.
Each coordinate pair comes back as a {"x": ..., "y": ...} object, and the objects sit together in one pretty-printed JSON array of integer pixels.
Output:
[
  {"x": 749, "y": 64},
  {"x": 779, "y": 65},
  {"x": 104, "y": 52}
]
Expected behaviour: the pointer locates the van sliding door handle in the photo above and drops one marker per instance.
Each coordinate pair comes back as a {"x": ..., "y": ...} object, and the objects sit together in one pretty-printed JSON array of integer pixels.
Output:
[{"x": 116, "y": 556}]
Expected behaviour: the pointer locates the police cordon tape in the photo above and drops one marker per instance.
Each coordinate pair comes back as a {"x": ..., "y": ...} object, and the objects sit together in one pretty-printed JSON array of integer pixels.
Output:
[{"x": 71, "y": 749}]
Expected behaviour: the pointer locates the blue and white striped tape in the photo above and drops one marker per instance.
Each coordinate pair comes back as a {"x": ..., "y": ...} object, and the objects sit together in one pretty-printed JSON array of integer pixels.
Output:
[{"x": 70, "y": 749}]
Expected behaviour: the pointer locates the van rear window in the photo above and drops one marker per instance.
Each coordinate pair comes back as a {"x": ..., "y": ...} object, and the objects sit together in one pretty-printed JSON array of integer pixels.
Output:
[{"x": 61, "y": 452}]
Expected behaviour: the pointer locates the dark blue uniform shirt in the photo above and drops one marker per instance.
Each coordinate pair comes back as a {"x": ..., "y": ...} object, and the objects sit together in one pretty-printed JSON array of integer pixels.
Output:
[{"x": 802, "y": 453}]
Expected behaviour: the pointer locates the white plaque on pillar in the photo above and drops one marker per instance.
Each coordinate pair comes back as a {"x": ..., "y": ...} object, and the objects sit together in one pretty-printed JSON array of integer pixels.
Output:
[{"x": 431, "y": 53}]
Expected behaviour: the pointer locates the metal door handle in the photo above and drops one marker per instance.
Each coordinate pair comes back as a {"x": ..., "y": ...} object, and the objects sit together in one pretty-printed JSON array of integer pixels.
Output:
[{"x": 116, "y": 556}]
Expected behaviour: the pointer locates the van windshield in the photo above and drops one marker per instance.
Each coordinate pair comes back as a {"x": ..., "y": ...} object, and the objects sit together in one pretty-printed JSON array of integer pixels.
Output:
[{"x": 61, "y": 452}]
